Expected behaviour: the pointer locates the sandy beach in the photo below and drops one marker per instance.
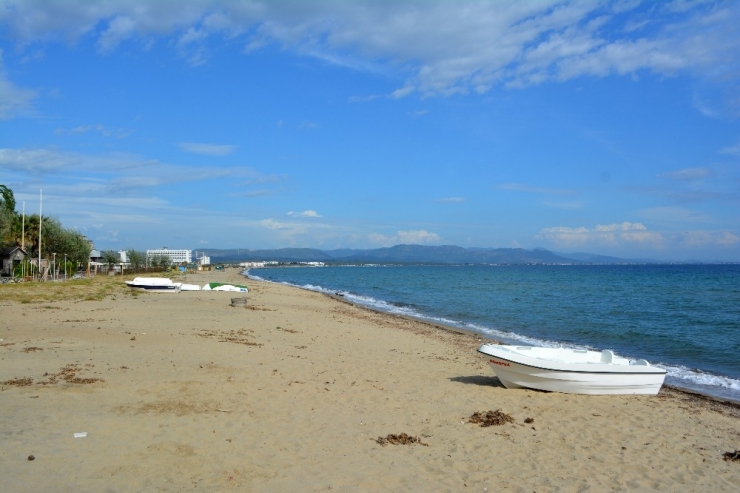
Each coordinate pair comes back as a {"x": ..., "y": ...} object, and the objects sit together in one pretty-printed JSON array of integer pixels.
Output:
[{"x": 301, "y": 392}]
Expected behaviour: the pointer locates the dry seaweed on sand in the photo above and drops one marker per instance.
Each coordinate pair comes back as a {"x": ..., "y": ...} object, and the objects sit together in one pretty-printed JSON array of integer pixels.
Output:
[
  {"x": 69, "y": 375},
  {"x": 490, "y": 418},
  {"x": 400, "y": 439},
  {"x": 733, "y": 456},
  {"x": 19, "y": 382}
]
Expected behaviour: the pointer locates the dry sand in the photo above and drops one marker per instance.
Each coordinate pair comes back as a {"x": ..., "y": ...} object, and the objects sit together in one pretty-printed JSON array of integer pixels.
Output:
[{"x": 181, "y": 392}]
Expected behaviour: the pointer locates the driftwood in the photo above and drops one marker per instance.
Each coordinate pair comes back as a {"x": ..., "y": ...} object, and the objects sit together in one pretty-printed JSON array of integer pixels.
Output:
[{"x": 239, "y": 302}]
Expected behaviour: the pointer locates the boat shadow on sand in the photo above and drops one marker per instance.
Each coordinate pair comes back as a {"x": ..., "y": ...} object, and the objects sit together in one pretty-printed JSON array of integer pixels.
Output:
[{"x": 481, "y": 380}]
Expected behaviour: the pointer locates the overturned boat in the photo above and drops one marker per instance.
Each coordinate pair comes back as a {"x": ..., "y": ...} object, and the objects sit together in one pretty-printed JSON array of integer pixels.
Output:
[
  {"x": 154, "y": 284},
  {"x": 573, "y": 371},
  {"x": 220, "y": 286}
]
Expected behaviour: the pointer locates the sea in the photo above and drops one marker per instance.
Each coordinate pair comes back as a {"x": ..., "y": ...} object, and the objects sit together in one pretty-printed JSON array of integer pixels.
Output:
[{"x": 684, "y": 318}]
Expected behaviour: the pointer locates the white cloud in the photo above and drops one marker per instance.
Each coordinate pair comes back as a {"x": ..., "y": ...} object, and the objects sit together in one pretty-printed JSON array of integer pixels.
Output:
[
  {"x": 731, "y": 150},
  {"x": 443, "y": 47},
  {"x": 700, "y": 238},
  {"x": 113, "y": 172},
  {"x": 410, "y": 237},
  {"x": 36, "y": 160},
  {"x": 519, "y": 187},
  {"x": 14, "y": 100},
  {"x": 308, "y": 213},
  {"x": 727, "y": 239},
  {"x": 688, "y": 174},
  {"x": 418, "y": 237},
  {"x": 100, "y": 129},
  {"x": 674, "y": 215},
  {"x": 273, "y": 224},
  {"x": 616, "y": 234},
  {"x": 207, "y": 149},
  {"x": 567, "y": 206}
]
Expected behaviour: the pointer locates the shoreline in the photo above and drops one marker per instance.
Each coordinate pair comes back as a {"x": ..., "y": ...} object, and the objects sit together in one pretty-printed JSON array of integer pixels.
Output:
[
  {"x": 448, "y": 327},
  {"x": 184, "y": 392}
]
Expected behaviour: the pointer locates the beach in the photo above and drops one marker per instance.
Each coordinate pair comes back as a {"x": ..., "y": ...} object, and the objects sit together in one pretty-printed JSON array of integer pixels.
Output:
[{"x": 299, "y": 391}]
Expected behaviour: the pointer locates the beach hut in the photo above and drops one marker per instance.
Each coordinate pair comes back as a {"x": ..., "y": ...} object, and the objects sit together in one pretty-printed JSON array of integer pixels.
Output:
[{"x": 10, "y": 258}]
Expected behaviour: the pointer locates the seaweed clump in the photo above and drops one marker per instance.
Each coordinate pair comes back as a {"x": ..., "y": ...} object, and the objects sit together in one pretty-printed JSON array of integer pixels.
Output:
[
  {"x": 733, "y": 456},
  {"x": 400, "y": 439},
  {"x": 490, "y": 418}
]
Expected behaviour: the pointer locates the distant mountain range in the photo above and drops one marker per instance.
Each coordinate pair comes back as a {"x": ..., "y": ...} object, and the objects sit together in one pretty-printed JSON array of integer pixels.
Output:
[{"x": 446, "y": 254}]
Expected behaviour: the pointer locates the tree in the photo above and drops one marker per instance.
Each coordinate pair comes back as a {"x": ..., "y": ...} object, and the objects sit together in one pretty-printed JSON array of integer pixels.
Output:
[
  {"x": 6, "y": 228},
  {"x": 136, "y": 259},
  {"x": 162, "y": 261},
  {"x": 7, "y": 216},
  {"x": 109, "y": 258},
  {"x": 15, "y": 230},
  {"x": 7, "y": 199}
]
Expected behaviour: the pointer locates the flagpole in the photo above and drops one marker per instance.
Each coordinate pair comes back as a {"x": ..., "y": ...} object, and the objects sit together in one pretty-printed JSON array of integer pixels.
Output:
[
  {"x": 23, "y": 242},
  {"x": 41, "y": 196},
  {"x": 23, "y": 228}
]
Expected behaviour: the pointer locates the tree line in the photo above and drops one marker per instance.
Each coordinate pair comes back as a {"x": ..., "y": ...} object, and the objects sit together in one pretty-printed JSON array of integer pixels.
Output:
[
  {"x": 136, "y": 260},
  {"x": 17, "y": 230},
  {"x": 67, "y": 243}
]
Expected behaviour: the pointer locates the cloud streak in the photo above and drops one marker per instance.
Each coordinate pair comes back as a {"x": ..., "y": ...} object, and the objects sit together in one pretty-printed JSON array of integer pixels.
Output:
[
  {"x": 14, "y": 100},
  {"x": 406, "y": 237},
  {"x": 616, "y": 234},
  {"x": 207, "y": 149}
]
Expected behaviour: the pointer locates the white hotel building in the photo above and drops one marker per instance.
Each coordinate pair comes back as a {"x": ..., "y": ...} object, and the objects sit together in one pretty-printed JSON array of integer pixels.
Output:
[{"x": 176, "y": 256}]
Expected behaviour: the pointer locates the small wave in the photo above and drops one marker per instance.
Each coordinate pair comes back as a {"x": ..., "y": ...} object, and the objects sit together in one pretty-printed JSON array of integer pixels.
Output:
[
  {"x": 699, "y": 380},
  {"x": 246, "y": 273}
]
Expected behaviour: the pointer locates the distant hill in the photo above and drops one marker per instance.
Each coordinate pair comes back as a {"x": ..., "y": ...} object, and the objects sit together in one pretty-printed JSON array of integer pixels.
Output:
[
  {"x": 603, "y": 259},
  {"x": 446, "y": 254},
  {"x": 449, "y": 254},
  {"x": 279, "y": 255}
]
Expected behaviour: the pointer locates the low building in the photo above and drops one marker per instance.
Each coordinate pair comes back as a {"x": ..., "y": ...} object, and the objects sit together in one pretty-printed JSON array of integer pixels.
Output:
[
  {"x": 249, "y": 265},
  {"x": 123, "y": 256}
]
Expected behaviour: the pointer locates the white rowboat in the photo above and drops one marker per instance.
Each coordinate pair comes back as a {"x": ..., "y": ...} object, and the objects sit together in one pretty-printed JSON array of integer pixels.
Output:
[
  {"x": 573, "y": 371},
  {"x": 154, "y": 284}
]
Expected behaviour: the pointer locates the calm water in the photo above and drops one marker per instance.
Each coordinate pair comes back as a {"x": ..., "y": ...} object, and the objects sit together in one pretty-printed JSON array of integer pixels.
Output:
[{"x": 684, "y": 318}]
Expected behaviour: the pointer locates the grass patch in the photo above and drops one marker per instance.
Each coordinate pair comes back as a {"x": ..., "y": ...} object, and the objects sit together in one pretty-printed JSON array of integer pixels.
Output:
[{"x": 90, "y": 289}]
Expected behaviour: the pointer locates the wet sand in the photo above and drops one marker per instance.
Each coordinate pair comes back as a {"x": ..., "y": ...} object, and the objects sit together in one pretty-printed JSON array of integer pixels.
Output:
[{"x": 299, "y": 391}]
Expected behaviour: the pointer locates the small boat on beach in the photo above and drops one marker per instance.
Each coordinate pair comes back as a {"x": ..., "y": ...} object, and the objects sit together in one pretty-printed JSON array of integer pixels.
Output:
[
  {"x": 154, "y": 284},
  {"x": 572, "y": 371},
  {"x": 163, "y": 284},
  {"x": 219, "y": 286}
]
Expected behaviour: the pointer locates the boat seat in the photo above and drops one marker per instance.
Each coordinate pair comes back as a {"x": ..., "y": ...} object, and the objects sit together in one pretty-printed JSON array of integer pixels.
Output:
[
  {"x": 642, "y": 362},
  {"x": 607, "y": 356}
]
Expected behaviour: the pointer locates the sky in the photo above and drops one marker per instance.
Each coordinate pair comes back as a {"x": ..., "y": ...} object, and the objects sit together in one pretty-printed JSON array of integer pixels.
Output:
[{"x": 577, "y": 126}]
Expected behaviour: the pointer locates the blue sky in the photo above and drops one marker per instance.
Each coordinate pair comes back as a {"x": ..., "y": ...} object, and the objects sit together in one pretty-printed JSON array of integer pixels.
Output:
[{"x": 604, "y": 127}]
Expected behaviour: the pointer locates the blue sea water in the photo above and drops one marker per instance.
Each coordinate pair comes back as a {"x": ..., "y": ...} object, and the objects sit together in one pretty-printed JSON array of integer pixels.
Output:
[{"x": 684, "y": 318}]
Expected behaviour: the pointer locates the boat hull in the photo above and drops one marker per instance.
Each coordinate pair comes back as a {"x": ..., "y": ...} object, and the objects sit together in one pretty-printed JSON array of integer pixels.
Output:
[
  {"x": 587, "y": 376},
  {"x": 154, "y": 285}
]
